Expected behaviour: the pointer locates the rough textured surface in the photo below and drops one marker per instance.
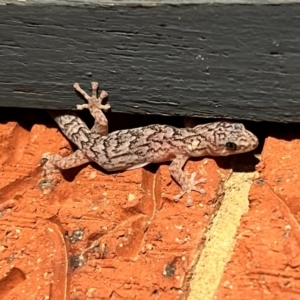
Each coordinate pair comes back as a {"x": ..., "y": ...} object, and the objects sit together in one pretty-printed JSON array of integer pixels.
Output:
[
  {"x": 121, "y": 236},
  {"x": 165, "y": 59},
  {"x": 265, "y": 263},
  {"x": 220, "y": 238},
  {"x": 143, "y": 245}
]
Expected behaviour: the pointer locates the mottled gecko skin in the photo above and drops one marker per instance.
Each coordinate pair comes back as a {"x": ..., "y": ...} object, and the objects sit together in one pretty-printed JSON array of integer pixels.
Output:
[{"x": 134, "y": 148}]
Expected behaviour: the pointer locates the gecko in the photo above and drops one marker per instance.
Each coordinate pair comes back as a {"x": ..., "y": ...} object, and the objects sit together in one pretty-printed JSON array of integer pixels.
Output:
[{"x": 135, "y": 148}]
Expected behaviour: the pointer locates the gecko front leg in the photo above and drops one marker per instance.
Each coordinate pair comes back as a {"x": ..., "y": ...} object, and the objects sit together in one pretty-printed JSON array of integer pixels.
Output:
[
  {"x": 95, "y": 107},
  {"x": 187, "y": 184},
  {"x": 71, "y": 124}
]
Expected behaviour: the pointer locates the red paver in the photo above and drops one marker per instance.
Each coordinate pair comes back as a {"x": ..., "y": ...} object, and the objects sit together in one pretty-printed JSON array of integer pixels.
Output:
[
  {"x": 147, "y": 244},
  {"x": 266, "y": 259}
]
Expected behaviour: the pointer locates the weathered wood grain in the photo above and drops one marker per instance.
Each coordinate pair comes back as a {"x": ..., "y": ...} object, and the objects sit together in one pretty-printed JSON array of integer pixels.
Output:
[{"x": 207, "y": 60}]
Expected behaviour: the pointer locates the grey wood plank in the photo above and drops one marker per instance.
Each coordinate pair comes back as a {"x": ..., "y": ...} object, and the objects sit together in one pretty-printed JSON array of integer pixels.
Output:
[
  {"x": 145, "y": 2},
  {"x": 236, "y": 61}
]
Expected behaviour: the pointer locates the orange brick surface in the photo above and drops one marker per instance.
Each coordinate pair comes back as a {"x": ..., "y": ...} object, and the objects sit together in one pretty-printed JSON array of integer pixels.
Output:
[
  {"x": 265, "y": 263},
  {"x": 94, "y": 235}
]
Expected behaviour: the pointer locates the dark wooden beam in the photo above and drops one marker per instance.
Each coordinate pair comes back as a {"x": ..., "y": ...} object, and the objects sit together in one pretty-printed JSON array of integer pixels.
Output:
[{"x": 207, "y": 60}]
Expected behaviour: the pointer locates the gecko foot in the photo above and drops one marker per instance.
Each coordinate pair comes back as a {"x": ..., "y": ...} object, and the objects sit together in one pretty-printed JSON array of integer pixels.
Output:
[
  {"x": 93, "y": 101},
  {"x": 191, "y": 186},
  {"x": 48, "y": 165}
]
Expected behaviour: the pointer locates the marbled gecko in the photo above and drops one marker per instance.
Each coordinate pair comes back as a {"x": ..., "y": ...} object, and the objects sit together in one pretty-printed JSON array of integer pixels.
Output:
[{"x": 134, "y": 148}]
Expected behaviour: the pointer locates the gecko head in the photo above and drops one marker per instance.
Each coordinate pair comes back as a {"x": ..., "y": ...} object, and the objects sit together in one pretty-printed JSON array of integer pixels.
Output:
[{"x": 225, "y": 138}]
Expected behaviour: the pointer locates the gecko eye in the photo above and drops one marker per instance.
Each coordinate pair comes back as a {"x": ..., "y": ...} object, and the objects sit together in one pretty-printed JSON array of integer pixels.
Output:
[{"x": 231, "y": 146}]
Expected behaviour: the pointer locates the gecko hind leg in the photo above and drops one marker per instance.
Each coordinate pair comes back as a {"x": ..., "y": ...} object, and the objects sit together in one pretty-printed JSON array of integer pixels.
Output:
[
  {"x": 95, "y": 107},
  {"x": 54, "y": 163}
]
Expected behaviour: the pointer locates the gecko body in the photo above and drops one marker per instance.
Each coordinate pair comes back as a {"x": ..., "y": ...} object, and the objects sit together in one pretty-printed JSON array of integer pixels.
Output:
[{"x": 134, "y": 148}]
